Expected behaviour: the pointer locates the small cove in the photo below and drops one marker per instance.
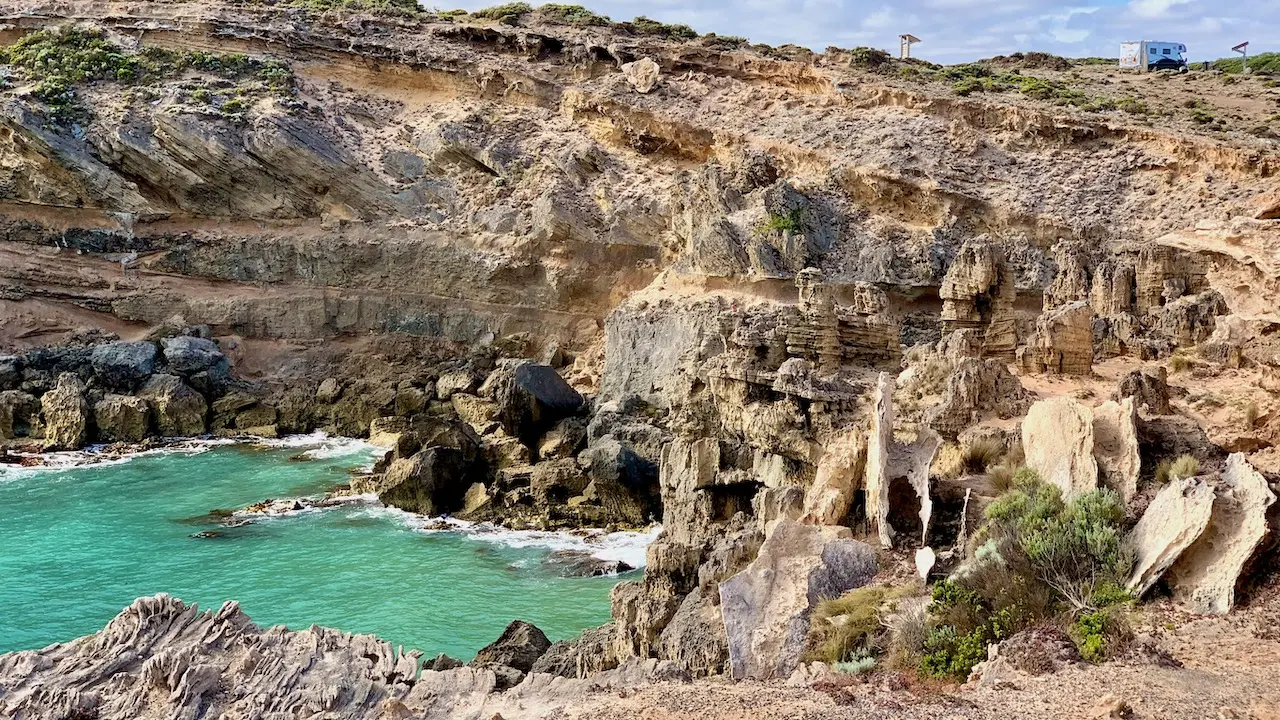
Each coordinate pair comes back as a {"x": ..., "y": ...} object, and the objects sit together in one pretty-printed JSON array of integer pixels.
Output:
[{"x": 79, "y": 544}]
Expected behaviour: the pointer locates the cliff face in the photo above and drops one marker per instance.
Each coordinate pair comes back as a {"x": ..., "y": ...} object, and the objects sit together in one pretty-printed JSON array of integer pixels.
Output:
[{"x": 731, "y": 252}]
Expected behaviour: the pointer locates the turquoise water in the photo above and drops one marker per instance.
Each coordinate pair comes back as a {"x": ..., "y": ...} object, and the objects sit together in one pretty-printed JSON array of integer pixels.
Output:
[{"x": 78, "y": 545}]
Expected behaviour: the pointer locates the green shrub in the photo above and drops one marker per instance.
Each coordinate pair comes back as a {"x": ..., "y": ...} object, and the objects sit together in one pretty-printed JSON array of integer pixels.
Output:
[
  {"x": 573, "y": 15},
  {"x": 853, "y": 626},
  {"x": 869, "y": 57},
  {"x": 1071, "y": 548},
  {"x": 507, "y": 14},
  {"x": 968, "y": 86},
  {"x": 790, "y": 222},
  {"x": 1133, "y": 107},
  {"x": 647, "y": 26},
  {"x": 1203, "y": 117},
  {"x": 1100, "y": 633},
  {"x": 855, "y": 667},
  {"x": 1001, "y": 477}
]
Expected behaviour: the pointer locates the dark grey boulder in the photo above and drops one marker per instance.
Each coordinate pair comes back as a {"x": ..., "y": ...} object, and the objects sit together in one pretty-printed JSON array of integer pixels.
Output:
[
  {"x": 432, "y": 482},
  {"x": 531, "y": 398},
  {"x": 519, "y": 646},
  {"x": 191, "y": 355},
  {"x": 10, "y": 372},
  {"x": 122, "y": 365},
  {"x": 577, "y": 563},
  {"x": 441, "y": 663}
]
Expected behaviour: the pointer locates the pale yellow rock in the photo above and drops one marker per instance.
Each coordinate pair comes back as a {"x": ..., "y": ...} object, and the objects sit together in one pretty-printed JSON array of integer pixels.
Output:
[
  {"x": 1204, "y": 577},
  {"x": 1057, "y": 436},
  {"x": 1115, "y": 446}
]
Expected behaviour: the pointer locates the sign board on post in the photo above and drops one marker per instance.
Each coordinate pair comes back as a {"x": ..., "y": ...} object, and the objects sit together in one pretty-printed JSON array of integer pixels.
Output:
[{"x": 1243, "y": 49}]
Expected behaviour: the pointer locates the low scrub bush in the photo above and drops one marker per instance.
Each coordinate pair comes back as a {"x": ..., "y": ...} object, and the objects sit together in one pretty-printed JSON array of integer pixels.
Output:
[
  {"x": 572, "y": 15},
  {"x": 647, "y": 26},
  {"x": 507, "y": 13},
  {"x": 58, "y": 60},
  {"x": 853, "y": 627},
  {"x": 1037, "y": 559},
  {"x": 981, "y": 453}
]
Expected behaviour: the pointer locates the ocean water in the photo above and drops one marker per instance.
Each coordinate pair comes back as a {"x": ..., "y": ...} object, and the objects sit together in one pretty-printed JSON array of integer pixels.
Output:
[{"x": 78, "y": 544}]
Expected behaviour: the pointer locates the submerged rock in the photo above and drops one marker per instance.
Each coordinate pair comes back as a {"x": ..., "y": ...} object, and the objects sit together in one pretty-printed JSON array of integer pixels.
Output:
[{"x": 578, "y": 563}]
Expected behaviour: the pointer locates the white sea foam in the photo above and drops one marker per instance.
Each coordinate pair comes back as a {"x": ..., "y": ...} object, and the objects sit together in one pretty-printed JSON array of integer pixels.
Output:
[
  {"x": 629, "y": 547},
  {"x": 321, "y": 447}
]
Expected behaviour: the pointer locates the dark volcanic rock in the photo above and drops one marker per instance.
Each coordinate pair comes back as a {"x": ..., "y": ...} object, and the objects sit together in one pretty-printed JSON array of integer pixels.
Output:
[
  {"x": 531, "y": 398},
  {"x": 122, "y": 365},
  {"x": 576, "y": 563},
  {"x": 192, "y": 355},
  {"x": 10, "y": 372},
  {"x": 432, "y": 482},
  {"x": 519, "y": 646}
]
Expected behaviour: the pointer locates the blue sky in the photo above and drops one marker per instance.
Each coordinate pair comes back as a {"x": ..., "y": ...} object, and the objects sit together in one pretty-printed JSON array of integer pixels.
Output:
[{"x": 960, "y": 30}]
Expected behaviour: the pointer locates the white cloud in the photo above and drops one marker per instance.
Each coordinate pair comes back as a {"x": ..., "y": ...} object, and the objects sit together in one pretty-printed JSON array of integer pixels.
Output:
[{"x": 1154, "y": 8}]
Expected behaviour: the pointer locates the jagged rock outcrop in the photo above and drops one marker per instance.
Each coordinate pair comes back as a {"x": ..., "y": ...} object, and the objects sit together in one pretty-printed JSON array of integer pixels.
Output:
[
  {"x": 766, "y": 607},
  {"x": 17, "y": 410},
  {"x": 978, "y": 292},
  {"x": 1062, "y": 343},
  {"x": 1148, "y": 387},
  {"x": 839, "y": 476},
  {"x": 1206, "y": 573},
  {"x": 879, "y": 447},
  {"x": 643, "y": 74},
  {"x": 66, "y": 414},
  {"x": 977, "y": 390},
  {"x": 1115, "y": 446},
  {"x": 122, "y": 418},
  {"x": 519, "y": 646},
  {"x": 1173, "y": 521},
  {"x": 177, "y": 409},
  {"x": 1057, "y": 437},
  {"x": 529, "y": 398}
]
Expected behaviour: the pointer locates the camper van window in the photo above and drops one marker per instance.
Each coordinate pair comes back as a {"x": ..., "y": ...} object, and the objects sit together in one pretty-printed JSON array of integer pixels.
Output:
[
  {"x": 1153, "y": 51},
  {"x": 1167, "y": 51}
]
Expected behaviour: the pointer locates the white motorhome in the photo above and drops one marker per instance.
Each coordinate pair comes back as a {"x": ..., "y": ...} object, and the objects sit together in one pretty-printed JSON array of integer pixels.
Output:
[{"x": 1148, "y": 55}]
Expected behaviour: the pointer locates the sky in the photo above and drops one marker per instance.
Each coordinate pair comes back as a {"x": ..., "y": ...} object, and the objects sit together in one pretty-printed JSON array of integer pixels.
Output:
[{"x": 961, "y": 30}]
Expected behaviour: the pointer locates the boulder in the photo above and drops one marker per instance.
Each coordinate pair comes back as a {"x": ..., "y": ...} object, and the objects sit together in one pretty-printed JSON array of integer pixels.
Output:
[
  {"x": 226, "y": 408},
  {"x": 1149, "y": 387},
  {"x": 1057, "y": 437},
  {"x": 1115, "y": 446},
  {"x": 555, "y": 481},
  {"x": 432, "y": 482},
  {"x": 122, "y": 418},
  {"x": 17, "y": 410},
  {"x": 329, "y": 391},
  {"x": 477, "y": 412},
  {"x": 643, "y": 74},
  {"x": 122, "y": 365},
  {"x": 519, "y": 646},
  {"x": 694, "y": 639},
  {"x": 410, "y": 400},
  {"x": 178, "y": 410},
  {"x": 766, "y": 607},
  {"x": 455, "y": 382},
  {"x": 977, "y": 390},
  {"x": 564, "y": 440},
  {"x": 621, "y": 481},
  {"x": 10, "y": 372},
  {"x": 188, "y": 355},
  {"x": 385, "y": 432},
  {"x": 1173, "y": 521},
  {"x": 1205, "y": 575},
  {"x": 256, "y": 417},
  {"x": 531, "y": 398},
  {"x": 66, "y": 414}
]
